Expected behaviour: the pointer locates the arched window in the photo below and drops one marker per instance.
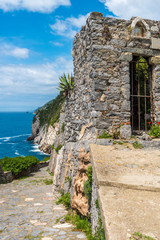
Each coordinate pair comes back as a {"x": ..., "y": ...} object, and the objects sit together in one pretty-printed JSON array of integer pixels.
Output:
[{"x": 139, "y": 30}]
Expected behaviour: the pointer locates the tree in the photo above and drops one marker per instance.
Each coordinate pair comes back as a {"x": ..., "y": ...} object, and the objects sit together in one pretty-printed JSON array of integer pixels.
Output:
[{"x": 66, "y": 84}]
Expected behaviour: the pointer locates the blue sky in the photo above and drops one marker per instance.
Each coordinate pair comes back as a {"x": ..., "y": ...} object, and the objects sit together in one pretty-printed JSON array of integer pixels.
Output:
[{"x": 36, "y": 43}]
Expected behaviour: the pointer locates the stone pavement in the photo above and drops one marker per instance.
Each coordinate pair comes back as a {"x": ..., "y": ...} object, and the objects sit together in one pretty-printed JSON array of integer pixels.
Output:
[
  {"x": 128, "y": 182},
  {"x": 28, "y": 211}
]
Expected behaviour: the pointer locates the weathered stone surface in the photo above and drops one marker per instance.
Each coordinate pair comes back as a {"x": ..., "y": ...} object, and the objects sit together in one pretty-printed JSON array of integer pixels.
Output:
[
  {"x": 127, "y": 57},
  {"x": 155, "y": 43},
  {"x": 79, "y": 200},
  {"x": 125, "y": 131},
  {"x": 155, "y": 60},
  {"x": 128, "y": 188}
]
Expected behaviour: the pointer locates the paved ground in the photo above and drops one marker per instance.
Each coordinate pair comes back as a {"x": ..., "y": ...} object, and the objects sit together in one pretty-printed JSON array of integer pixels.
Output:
[
  {"x": 28, "y": 211},
  {"x": 128, "y": 183}
]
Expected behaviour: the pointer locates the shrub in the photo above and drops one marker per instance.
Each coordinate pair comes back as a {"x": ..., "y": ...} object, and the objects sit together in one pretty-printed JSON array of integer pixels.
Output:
[
  {"x": 155, "y": 131},
  {"x": 88, "y": 185},
  {"x": 18, "y": 164},
  {"x": 65, "y": 200}
]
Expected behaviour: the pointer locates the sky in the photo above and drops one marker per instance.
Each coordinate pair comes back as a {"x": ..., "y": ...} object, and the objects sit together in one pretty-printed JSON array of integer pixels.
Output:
[{"x": 36, "y": 44}]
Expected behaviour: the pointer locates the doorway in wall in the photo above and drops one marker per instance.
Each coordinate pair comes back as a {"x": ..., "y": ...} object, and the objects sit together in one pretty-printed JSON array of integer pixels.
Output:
[{"x": 141, "y": 94}]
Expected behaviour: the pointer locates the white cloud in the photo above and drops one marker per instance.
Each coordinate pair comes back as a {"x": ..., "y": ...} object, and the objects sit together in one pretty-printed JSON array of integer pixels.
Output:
[
  {"x": 69, "y": 26},
  {"x": 128, "y": 8},
  {"x": 33, "y": 79},
  {"x": 43, "y": 6},
  {"x": 14, "y": 51},
  {"x": 56, "y": 44}
]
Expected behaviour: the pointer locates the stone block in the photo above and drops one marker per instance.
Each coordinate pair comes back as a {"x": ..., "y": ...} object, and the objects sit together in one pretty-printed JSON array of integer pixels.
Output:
[
  {"x": 101, "y": 106},
  {"x": 125, "y": 132},
  {"x": 155, "y": 60},
  {"x": 103, "y": 124},
  {"x": 155, "y": 43},
  {"x": 125, "y": 106},
  {"x": 126, "y": 57},
  {"x": 104, "y": 142},
  {"x": 100, "y": 85}
]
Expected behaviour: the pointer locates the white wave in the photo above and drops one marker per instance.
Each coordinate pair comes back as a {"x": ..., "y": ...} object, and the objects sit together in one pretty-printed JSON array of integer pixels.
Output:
[
  {"x": 36, "y": 149},
  {"x": 35, "y": 146},
  {"x": 17, "y": 153},
  {"x": 6, "y": 139}
]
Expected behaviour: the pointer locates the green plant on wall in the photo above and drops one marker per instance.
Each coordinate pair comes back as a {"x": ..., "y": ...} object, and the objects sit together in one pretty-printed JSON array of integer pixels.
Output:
[
  {"x": 155, "y": 130},
  {"x": 62, "y": 127},
  {"x": 66, "y": 84},
  {"x": 88, "y": 185}
]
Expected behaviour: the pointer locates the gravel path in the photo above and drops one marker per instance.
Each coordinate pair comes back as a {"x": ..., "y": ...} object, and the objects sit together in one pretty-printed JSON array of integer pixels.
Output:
[{"x": 28, "y": 211}]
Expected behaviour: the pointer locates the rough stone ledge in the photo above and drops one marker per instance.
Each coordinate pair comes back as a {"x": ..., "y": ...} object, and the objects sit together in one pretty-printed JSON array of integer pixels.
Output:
[{"x": 128, "y": 185}]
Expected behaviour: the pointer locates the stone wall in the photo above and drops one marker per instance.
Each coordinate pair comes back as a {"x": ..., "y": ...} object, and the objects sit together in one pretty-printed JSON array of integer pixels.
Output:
[
  {"x": 102, "y": 52},
  {"x": 5, "y": 177}
]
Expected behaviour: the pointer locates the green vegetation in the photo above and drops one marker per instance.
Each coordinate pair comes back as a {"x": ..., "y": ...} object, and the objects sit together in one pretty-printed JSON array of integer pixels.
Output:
[
  {"x": 62, "y": 127},
  {"x": 40, "y": 181},
  {"x": 100, "y": 234},
  {"x": 69, "y": 180},
  {"x": 50, "y": 173},
  {"x": 117, "y": 142},
  {"x": 65, "y": 200},
  {"x": 40, "y": 211},
  {"x": 18, "y": 165},
  {"x": 50, "y": 112},
  {"x": 52, "y": 146},
  {"x": 22, "y": 178},
  {"x": 45, "y": 159},
  {"x": 155, "y": 131},
  {"x": 88, "y": 185},
  {"x": 57, "y": 148},
  {"x": 82, "y": 223},
  {"x": 137, "y": 145},
  {"x": 48, "y": 181},
  {"x": 104, "y": 135},
  {"x": 140, "y": 236},
  {"x": 66, "y": 84}
]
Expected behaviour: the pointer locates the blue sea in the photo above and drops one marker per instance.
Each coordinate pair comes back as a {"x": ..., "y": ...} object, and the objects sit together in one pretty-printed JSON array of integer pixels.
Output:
[{"x": 15, "y": 128}]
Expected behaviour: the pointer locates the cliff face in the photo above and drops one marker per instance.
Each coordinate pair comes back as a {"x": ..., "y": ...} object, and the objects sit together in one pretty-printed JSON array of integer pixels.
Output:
[{"x": 45, "y": 125}]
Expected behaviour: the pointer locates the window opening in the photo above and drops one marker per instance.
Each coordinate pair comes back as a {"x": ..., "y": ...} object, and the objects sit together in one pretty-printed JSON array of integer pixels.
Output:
[{"x": 141, "y": 94}]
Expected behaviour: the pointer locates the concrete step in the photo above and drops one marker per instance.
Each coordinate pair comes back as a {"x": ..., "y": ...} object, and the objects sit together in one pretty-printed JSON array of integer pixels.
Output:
[{"x": 128, "y": 183}]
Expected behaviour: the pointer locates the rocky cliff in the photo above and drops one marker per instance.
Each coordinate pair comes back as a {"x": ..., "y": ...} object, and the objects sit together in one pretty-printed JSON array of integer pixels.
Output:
[{"x": 45, "y": 125}]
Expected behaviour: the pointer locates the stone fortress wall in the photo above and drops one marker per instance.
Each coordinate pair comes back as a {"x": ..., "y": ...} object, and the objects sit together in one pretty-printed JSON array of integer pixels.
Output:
[{"x": 102, "y": 52}]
